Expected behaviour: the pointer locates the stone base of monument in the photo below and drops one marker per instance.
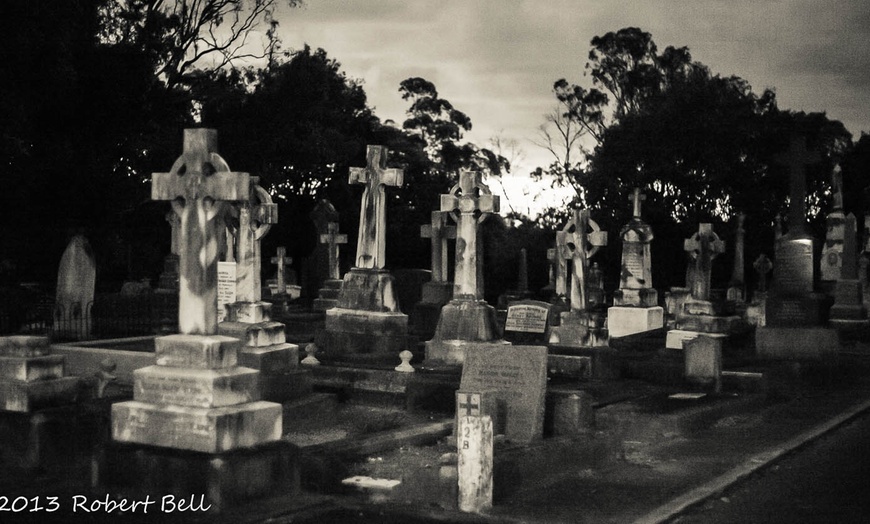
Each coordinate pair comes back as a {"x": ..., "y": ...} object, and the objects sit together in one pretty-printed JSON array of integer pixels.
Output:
[
  {"x": 795, "y": 343},
  {"x": 437, "y": 292},
  {"x": 623, "y": 321},
  {"x": 578, "y": 330},
  {"x": 453, "y": 352},
  {"x": 798, "y": 312},
  {"x": 328, "y": 295},
  {"x": 424, "y": 319},
  {"x": 712, "y": 324},
  {"x": 31, "y": 378},
  {"x": 674, "y": 300},
  {"x": 212, "y": 482},
  {"x": 636, "y": 298},
  {"x": 848, "y": 301},
  {"x": 354, "y": 331}
]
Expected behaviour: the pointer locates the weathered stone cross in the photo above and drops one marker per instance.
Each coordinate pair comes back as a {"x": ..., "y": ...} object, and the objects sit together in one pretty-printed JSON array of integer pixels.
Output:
[
  {"x": 256, "y": 217},
  {"x": 333, "y": 240},
  {"x": 581, "y": 244},
  {"x": 703, "y": 247},
  {"x": 371, "y": 241},
  {"x": 281, "y": 260},
  {"x": 199, "y": 184},
  {"x": 797, "y": 158},
  {"x": 735, "y": 286},
  {"x": 439, "y": 232},
  {"x": 469, "y": 405},
  {"x": 469, "y": 202},
  {"x": 636, "y": 198}
]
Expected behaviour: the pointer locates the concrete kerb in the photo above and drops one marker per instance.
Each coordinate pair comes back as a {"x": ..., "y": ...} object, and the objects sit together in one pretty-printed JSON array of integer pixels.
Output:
[{"x": 757, "y": 462}]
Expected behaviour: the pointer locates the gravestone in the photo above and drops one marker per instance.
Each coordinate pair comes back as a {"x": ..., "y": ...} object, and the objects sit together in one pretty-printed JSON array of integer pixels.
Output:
[
  {"x": 755, "y": 312},
  {"x": 831, "y": 262},
  {"x": 700, "y": 314},
  {"x": 467, "y": 321},
  {"x": 283, "y": 288},
  {"x": 317, "y": 268},
  {"x": 518, "y": 377},
  {"x": 367, "y": 321},
  {"x": 264, "y": 343},
  {"x": 703, "y": 361},
  {"x": 439, "y": 290},
  {"x": 475, "y": 464},
  {"x": 197, "y": 409},
  {"x": 580, "y": 326},
  {"x": 527, "y": 322},
  {"x": 521, "y": 291},
  {"x": 848, "y": 311},
  {"x": 76, "y": 277},
  {"x": 635, "y": 304},
  {"x": 795, "y": 312},
  {"x": 328, "y": 294}
]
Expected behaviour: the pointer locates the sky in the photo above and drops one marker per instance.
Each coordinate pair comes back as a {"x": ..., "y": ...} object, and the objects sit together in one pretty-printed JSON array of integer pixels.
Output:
[{"x": 497, "y": 60}]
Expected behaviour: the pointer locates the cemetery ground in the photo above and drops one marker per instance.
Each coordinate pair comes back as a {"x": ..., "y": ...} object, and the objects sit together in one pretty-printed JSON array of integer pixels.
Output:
[{"x": 647, "y": 458}]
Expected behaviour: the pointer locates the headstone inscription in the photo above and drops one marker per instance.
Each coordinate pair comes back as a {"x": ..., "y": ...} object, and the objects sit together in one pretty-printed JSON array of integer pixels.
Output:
[
  {"x": 367, "y": 319},
  {"x": 466, "y": 321},
  {"x": 226, "y": 288},
  {"x": 527, "y": 322},
  {"x": 518, "y": 377},
  {"x": 635, "y": 304},
  {"x": 76, "y": 278},
  {"x": 197, "y": 397}
]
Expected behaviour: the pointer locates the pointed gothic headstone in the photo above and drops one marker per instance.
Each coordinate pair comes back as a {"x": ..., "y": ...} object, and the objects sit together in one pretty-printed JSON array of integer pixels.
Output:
[{"x": 76, "y": 277}]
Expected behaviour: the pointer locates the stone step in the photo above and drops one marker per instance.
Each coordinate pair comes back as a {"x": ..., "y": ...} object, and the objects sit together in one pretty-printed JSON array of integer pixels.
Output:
[
  {"x": 25, "y": 397},
  {"x": 209, "y": 430},
  {"x": 250, "y": 312},
  {"x": 260, "y": 334},
  {"x": 29, "y": 369},
  {"x": 24, "y": 346},
  {"x": 278, "y": 358},
  {"x": 197, "y": 351},
  {"x": 199, "y": 388}
]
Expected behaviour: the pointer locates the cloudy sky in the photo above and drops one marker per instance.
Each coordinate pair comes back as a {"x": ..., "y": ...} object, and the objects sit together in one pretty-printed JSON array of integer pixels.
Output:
[{"x": 496, "y": 60}]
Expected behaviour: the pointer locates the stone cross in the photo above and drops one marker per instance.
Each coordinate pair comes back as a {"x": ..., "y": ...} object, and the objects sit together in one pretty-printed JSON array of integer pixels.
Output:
[
  {"x": 582, "y": 244},
  {"x": 199, "y": 184},
  {"x": 281, "y": 260},
  {"x": 438, "y": 232},
  {"x": 371, "y": 241},
  {"x": 703, "y": 247},
  {"x": 762, "y": 266},
  {"x": 563, "y": 255},
  {"x": 837, "y": 187},
  {"x": 469, "y": 203},
  {"x": 256, "y": 217},
  {"x": 796, "y": 159},
  {"x": 333, "y": 240},
  {"x": 553, "y": 263},
  {"x": 469, "y": 403},
  {"x": 636, "y": 198},
  {"x": 735, "y": 287}
]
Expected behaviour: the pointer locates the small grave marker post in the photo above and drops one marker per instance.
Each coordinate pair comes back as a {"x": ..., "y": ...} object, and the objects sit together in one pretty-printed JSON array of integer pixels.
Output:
[{"x": 474, "y": 444}]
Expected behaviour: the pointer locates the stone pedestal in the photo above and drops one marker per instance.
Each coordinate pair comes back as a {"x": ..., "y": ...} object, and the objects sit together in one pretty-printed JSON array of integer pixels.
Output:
[
  {"x": 623, "y": 321},
  {"x": 464, "y": 323},
  {"x": 367, "y": 318},
  {"x": 196, "y": 398},
  {"x": 264, "y": 348},
  {"x": 31, "y": 378},
  {"x": 328, "y": 295},
  {"x": 578, "y": 329},
  {"x": 794, "y": 343}
]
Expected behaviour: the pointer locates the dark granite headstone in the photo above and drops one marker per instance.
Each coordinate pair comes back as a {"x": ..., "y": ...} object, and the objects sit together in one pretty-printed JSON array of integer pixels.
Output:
[{"x": 518, "y": 375}]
